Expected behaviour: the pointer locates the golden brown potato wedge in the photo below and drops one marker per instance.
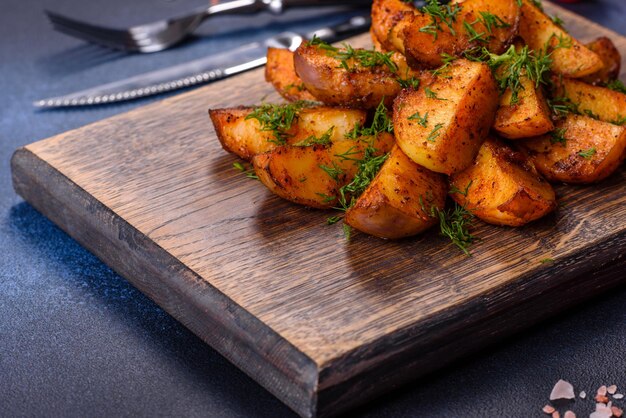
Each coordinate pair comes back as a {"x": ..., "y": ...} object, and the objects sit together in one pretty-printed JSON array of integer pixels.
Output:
[
  {"x": 398, "y": 202},
  {"x": 503, "y": 187},
  {"x": 279, "y": 71},
  {"x": 581, "y": 150},
  {"x": 569, "y": 57},
  {"x": 245, "y": 136},
  {"x": 610, "y": 56},
  {"x": 529, "y": 116},
  {"x": 312, "y": 175},
  {"x": 348, "y": 83},
  {"x": 389, "y": 17},
  {"x": 442, "y": 126},
  {"x": 600, "y": 102},
  {"x": 476, "y": 23}
]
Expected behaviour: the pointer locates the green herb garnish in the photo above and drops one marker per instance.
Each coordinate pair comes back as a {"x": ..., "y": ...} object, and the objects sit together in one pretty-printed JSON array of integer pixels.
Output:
[
  {"x": 558, "y": 136},
  {"x": 313, "y": 140},
  {"x": 616, "y": 85},
  {"x": 421, "y": 120},
  {"x": 247, "y": 170},
  {"x": 434, "y": 134},
  {"x": 439, "y": 14},
  {"x": 278, "y": 118},
  {"x": 380, "y": 123},
  {"x": 588, "y": 153},
  {"x": 364, "y": 57}
]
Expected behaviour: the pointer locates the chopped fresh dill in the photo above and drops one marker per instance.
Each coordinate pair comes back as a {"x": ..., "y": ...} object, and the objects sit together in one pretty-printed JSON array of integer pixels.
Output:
[
  {"x": 455, "y": 190},
  {"x": 334, "y": 172},
  {"x": 447, "y": 60},
  {"x": 588, "y": 112},
  {"x": 558, "y": 136},
  {"x": 368, "y": 167},
  {"x": 509, "y": 66},
  {"x": 621, "y": 120},
  {"x": 246, "y": 169},
  {"x": 588, "y": 153},
  {"x": 616, "y": 85},
  {"x": 546, "y": 260},
  {"x": 326, "y": 198},
  {"x": 299, "y": 87},
  {"x": 347, "y": 231},
  {"x": 563, "y": 41},
  {"x": 558, "y": 21},
  {"x": 492, "y": 21},
  {"x": 431, "y": 94},
  {"x": 421, "y": 120},
  {"x": 434, "y": 134},
  {"x": 313, "y": 140},
  {"x": 439, "y": 14},
  {"x": 364, "y": 57},
  {"x": 538, "y": 4},
  {"x": 380, "y": 123},
  {"x": 474, "y": 36},
  {"x": 455, "y": 224},
  {"x": 278, "y": 118},
  {"x": 411, "y": 82},
  {"x": 333, "y": 220},
  {"x": 561, "y": 106}
]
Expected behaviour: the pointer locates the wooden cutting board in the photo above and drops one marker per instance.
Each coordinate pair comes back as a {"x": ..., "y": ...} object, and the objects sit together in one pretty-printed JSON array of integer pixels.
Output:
[{"x": 322, "y": 323}]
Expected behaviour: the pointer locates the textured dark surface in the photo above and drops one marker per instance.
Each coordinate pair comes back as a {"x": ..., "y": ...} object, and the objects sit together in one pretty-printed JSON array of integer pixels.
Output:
[{"x": 78, "y": 340}]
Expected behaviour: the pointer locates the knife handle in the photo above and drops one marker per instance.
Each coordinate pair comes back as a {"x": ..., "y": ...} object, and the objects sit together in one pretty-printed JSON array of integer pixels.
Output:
[{"x": 354, "y": 26}]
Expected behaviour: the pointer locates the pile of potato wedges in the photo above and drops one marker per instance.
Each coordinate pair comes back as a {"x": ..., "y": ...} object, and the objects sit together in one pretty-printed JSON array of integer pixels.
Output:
[{"x": 480, "y": 104}]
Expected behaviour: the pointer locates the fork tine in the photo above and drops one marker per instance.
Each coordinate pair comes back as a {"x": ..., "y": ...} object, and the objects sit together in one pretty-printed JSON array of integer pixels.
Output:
[
  {"x": 113, "y": 38},
  {"x": 91, "y": 38},
  {"x": 87, "y": 27}
]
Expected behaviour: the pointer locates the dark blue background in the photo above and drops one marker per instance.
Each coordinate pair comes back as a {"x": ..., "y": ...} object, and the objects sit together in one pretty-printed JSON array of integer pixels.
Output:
[{"x": 77, "y": 340}]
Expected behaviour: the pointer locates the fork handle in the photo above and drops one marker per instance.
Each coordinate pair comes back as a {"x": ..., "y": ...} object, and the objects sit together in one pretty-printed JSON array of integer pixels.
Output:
[{"x": 274, "y": 6}]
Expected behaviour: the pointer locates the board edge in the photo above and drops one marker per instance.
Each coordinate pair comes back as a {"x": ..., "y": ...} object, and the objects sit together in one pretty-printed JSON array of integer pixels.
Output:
[{"x": 276, "y": 364}]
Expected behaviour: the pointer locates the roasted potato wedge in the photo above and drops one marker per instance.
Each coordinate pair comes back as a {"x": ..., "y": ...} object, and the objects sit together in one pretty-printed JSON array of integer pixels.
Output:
[
  {"x": 600, "y": 102},
  {"x": 246, "y": 136},
  {"x": 582, "y": 150},
  {"x": 389, "y": 17},
  {"x": 610, "y": 56},
  {"x": 529, "y": 116},
  {"x": 503, "y": 187},
  {"x": 398, "y": 201},
  {"x": 280, "y": 72},
  {"x": 312, "y": 175},
  {"x": 442, "y": 126},
  {"x": 423, "y": 38},
  {"x": 569, "y": 57},
  {"x": 349, "y": 83}
]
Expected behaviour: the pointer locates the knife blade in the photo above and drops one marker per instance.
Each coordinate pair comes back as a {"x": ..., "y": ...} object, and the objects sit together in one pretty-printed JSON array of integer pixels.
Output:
[{"x": 200, "y": 71}]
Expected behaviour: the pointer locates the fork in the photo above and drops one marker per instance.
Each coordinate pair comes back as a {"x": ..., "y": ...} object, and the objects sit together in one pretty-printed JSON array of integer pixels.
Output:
[{"x": 160, "y": 35}]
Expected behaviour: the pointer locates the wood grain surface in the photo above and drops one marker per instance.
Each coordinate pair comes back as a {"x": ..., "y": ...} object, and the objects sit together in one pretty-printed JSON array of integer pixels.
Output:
[{"x": 322, "y": 323}]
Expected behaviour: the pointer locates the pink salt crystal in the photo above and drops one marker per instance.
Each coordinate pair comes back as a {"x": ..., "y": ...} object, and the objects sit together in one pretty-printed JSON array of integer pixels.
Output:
[
  {"x": 603, "y": 410},
  {"x": 548, "y": 409},
  {"x": 569, "y": 414},
  {"x": 562, "y": 390},
  {"x": 602, "y": 390},
  {"x": 612, "y": 389},
  {"x": 556, "y": 414},
  {"x": 583, "y": 394},
  {"x": 618, "y": 396},
  {"x": 617, "y": 412},
  {"x": 600, "y": 415}
]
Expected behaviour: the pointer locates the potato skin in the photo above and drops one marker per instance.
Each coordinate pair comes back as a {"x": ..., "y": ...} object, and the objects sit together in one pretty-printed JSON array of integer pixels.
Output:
[
  {"x": 398, "y": 201},
  {"x": 245, "y": 138},
  {"x": 610, "y": 56},
  {"x": 563, "y": 163},
  {"x": 606, "y": 104},
  {"x": 463, "y": 115},
  {"x": 530, "y": 116},
  {"x": 504, "y": 187},
  {"x": 279, "y": 71},
  {"x": 361, "y": 87},
  {"x": 398, "y": 28},
  {"x": 389, "y": 17},
  {"x": 539, "y": 32},
  {"x": 295, "y": 174}
]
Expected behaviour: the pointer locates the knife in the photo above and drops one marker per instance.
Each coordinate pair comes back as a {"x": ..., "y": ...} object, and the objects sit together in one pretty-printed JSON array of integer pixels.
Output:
[{"x": 203, "y": 70}]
